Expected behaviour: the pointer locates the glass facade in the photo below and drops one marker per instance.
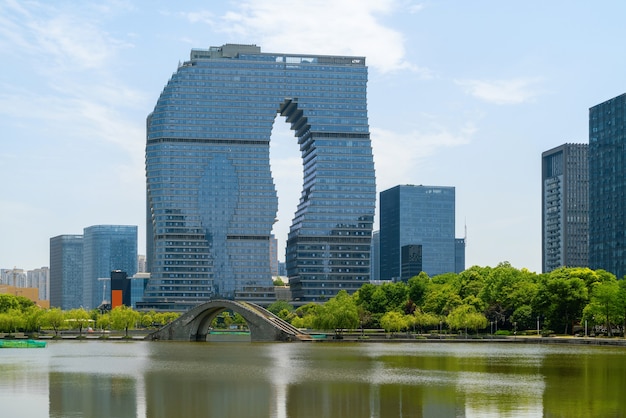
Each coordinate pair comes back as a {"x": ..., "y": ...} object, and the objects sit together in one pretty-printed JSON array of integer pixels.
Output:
[
  {"x": 418, "y": 216},
  {"x": 106, "y": 248},
  {"x": 607, "y": 186},
  {"x": 211, "y": 199},
  {"x": 375, "y": 257},
  {"x": 66, "y": 271},
  {"x": 459, "y": 255},
  {"x": 565, "y": 207}
]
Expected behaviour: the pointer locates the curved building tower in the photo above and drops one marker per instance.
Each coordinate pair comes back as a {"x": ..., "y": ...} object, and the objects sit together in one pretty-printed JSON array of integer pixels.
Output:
[{"x": 211, "y": 199}]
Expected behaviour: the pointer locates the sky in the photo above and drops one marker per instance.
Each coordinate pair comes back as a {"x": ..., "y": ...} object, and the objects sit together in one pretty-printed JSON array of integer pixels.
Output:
[{"x": 463, "y": 94}]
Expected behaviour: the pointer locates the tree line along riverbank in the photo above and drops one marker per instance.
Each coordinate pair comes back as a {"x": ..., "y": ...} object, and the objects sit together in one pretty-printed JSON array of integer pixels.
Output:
[{"x": 496, "y": 301}]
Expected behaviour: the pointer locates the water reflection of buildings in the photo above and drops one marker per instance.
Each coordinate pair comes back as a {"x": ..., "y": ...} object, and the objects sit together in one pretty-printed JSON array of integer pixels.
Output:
[
  {"x": 311, "y": 380},
  {"x": 92, "y": 395}
]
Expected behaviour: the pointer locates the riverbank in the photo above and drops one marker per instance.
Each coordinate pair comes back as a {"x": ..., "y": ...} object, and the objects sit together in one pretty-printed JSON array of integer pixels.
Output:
[
  {"x": 139, "y": 335},
  {"x": 484, "y": 339}
]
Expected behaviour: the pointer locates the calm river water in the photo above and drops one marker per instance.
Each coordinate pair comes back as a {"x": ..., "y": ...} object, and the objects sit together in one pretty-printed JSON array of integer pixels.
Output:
[{"x": 243, "y": 379}]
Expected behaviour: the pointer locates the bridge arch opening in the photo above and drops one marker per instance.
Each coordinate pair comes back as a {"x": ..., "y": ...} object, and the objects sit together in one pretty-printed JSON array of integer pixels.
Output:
[{"x": 213, "y": 332}]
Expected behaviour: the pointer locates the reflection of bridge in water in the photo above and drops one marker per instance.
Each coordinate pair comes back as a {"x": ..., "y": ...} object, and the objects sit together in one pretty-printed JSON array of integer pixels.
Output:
[{"x": 194, "y": 325}]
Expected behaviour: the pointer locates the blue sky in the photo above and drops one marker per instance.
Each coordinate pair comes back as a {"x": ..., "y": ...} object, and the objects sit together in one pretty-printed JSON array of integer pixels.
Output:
[{"x": 463, "y": 94}]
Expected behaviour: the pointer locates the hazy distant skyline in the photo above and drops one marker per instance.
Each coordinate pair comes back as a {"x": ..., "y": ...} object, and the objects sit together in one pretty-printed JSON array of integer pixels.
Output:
[{"x": 463, "y": 94}]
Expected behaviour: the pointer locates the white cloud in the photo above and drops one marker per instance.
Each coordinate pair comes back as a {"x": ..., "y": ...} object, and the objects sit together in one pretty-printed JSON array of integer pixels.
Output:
[
  {"x": 62, "y": 39},
  {"x": 348, "y": 27},
  {"x": 68, "y": 49},
  {"x": 513, "y": 91},
  {"x": 397, "y": 155},
  {"x": 199, "y": 17},
  {"x": 415, "y": 7}
]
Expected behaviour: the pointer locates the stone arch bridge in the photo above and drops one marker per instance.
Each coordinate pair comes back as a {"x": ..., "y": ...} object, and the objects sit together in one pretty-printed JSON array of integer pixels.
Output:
[{"x": 194, "y": 325}]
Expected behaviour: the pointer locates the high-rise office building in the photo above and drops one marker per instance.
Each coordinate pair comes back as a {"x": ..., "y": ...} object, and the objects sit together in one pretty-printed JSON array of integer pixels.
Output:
[
  {"x": 141, "y": 263},
  {"x": 417, "y": 225},
  {"x": 411, "y": 261},
  {"x": 607, "y": 186},
  {"x": 66, "y": 271},
  {"x": 273, "y": 256},
  {"x": 459, "y": 254},
  {"x": 565, "y": 207},
  {"x": 211, "y": 199},
  {"x": 40, "y": 279},
  {"x": 14, "y": 277},
  {"x": 106, "y": 248},
  {"x": 375, "y": 257}
]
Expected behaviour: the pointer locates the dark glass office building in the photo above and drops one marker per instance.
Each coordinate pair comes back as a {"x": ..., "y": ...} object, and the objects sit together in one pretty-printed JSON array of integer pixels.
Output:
[
  {"x": 417, "y": 225},
  {"x": 565, "y": 207},
  {"x": 607, "y": 186},
  {"x": 211, "y": 199},
  {"x": 66, "y": 271}
]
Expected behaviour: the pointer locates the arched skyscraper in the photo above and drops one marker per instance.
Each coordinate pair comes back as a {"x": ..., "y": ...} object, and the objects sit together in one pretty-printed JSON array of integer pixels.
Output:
[{"x": 211, "y": 199}]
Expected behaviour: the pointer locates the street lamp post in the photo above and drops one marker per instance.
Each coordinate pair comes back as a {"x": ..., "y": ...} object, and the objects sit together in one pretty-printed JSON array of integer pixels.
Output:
[{"x": 537, "y": 325}]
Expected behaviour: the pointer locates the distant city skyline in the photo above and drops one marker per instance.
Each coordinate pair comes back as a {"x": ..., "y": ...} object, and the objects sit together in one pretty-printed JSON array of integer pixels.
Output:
[{"x": 460, "y": 94}]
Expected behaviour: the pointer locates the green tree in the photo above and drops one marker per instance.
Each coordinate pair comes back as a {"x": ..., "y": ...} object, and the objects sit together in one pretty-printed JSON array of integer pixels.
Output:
[
  {"x": 410, "y": 321},
  {"x": 365, "y": 317},
  {"x": 278, "y": 281},
  {"x": 393, "y": 321},
  {"x": 55, "y": 319},
  {"x": 239, "y": 320},
  {"x": 306, "y": 322},
  {"x": 441, "y": 299},
  {"x": 496, "y": 292},
  {"x": 278, "y": 306},
  {"x": 389, "y": 296},
  {"x": 417, "y": 288},
  {"x": 338, "y": 313},
  {"x": 561, "y": 298},
  {"x": 33, "y": 318},
  {"x": 590, "y": 277},
  {"x": 104, "y": 322},
  {"x": 147, "y": 319},
  {"x": 164, "y": 318},
  {"x": 466, "y": 317},
  {"x": 8, "y": 302},
  {"x": 604, "y": 306},
  {"x": 24, "y": 303},
  {"x": 11, "y": 321},
  {"x": 306, "y": 316},
  {"x": 78, "y": 318},
  {"x": 425, "y": 319},
  {"x": 524, "y": 316},
  {"x": 123, "y": 318},
  {"x": 286, "y": 315},
  {"x": 449, "y": 278},
  {"x": 363, "y": 296},
  {"x": 228, "y": 319},
  {"x": 380, "y": 303},
  {"x": 471, "y": 281}
]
